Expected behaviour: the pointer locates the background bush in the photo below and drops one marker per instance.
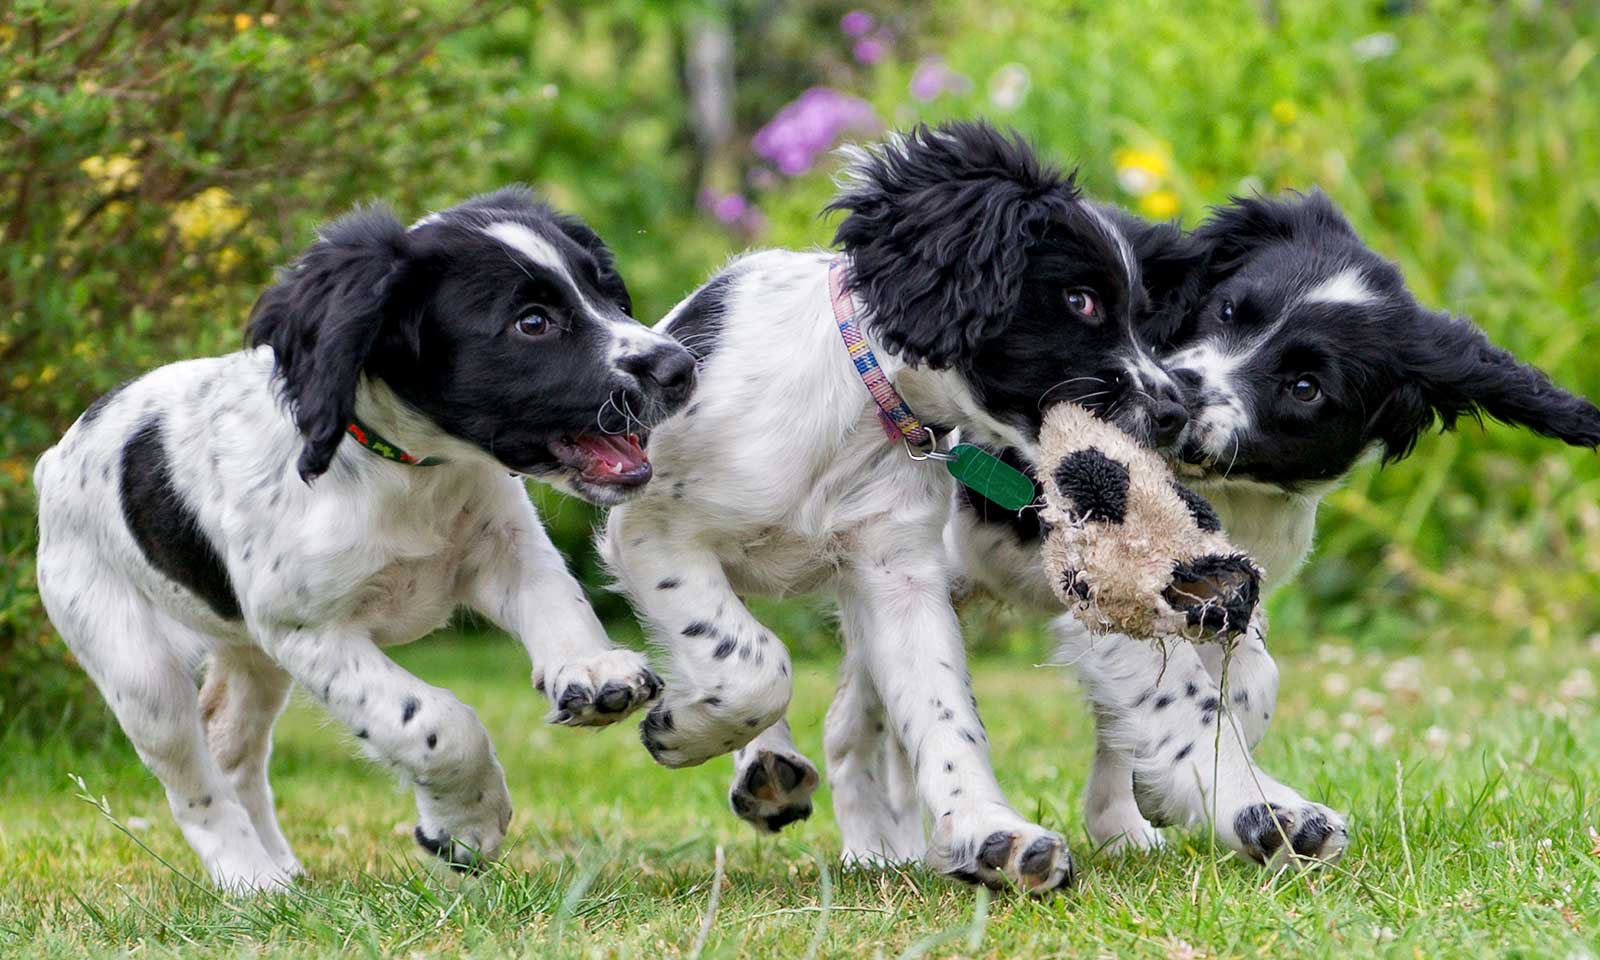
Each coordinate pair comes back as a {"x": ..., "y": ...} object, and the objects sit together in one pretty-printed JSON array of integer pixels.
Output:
[{"x": 156, "y": 162}]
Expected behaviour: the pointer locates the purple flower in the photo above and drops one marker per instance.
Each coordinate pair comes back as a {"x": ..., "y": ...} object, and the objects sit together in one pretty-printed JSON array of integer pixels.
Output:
[
  {"x": 933, "y": 78},
  {"x": 730, "y": 208},
  {"x": 810, "y": 126},
  {"x": 869, "y": 50},
  {"x": 857, "y": 23}
]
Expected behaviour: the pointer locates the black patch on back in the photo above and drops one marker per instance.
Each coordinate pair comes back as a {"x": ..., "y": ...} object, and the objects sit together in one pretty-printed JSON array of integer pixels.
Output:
[
  {"x": 698, "y": 326},
  {"x": 1218, "y": 593},
  {"x": 1024, "y": 524},
  {"x": 100, "y": 402},
  {"x": 1096, "y": 484},
  {"x": 1199, "y": 507},
  {"x": 165, "y": 528}
]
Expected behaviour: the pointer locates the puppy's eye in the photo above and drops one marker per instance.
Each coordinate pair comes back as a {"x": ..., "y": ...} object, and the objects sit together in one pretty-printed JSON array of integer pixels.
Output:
[
  {"x": 1225, "y": 311},
  {"x": 534, "y": 325},
  {"x": 1305, "y": 389},
  {"x": 1083, "y": 303}
]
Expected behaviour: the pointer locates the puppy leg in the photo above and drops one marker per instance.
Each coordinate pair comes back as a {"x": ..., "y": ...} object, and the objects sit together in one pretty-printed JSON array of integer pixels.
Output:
[
  {"x": 1190, "y": 756},
  {"x": 1252, "y": 678},
  {"x": 1110, "y": 812},
  {"x": 895, "y": 600},
  {"x": 517, "y": 578},
  {"x": 243, "y": 695},
  {"x": 126, "y": 649},
  {"x": 772, "y": 780},
  {"x": 729, "y": 676},
  {"x": 421, "y": 731},
  {"x": 874, "y": 788}
]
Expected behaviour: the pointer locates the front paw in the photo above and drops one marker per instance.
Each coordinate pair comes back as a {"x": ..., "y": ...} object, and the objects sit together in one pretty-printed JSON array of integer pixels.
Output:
[
  {"x": 599, "y": 690},
  {"x": 1315, "y": 834},
  {"x": 772, "y": 790},
  {"x": 1033, "y": 859},
  {"x": 464, "y": 829}
]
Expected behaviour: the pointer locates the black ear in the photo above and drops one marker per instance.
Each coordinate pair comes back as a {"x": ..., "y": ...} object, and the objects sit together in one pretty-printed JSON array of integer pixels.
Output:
[
  {"x": 1448, "y": 367},
  {"x": 322, "y": 318},
  {"x": 610, "y": 280},
  {"x": 938, "y": 228},
  {"x": 1239, "y": 228}
]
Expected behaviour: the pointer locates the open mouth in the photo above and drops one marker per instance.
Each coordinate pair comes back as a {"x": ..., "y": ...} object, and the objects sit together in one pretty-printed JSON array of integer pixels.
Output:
[{"x": 611, "y": 460}]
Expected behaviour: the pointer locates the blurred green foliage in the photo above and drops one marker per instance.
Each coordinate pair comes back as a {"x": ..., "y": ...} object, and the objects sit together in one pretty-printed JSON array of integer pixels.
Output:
[{"x": 156, "y": 159}]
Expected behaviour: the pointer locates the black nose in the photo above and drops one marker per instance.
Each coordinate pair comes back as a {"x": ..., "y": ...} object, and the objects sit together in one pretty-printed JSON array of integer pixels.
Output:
[
  {"x": 1168, "y": 418},
  {"x": 668, "y": 371}
]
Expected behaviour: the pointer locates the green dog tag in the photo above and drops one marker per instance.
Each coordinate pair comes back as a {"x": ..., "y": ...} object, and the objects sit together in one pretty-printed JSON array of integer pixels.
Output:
[{"x": 980, "y": 470}]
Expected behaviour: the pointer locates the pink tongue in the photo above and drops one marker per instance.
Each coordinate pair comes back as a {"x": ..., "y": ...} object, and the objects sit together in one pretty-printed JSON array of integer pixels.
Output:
[{"x": 614, "y": 451}]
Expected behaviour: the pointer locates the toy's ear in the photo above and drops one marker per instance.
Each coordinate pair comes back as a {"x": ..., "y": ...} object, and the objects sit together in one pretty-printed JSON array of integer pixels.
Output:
[
  {"x": 1238, "y": 229},
  {"x": 1216, "y": 593},
  {"x": 938, "y": 229}
]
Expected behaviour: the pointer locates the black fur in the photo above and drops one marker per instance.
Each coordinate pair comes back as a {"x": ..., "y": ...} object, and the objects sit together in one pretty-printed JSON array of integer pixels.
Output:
[
  {"x": 965, "y": 248},
  {"x": 1096, "y": 484},
  {"x": 1387, "y": 369},
  {"x": 1217, "y": 593},
  {"x": 166, "y": 528},
  {"x": 433, "y": 312},
  {"x": 698, "y": 325}
]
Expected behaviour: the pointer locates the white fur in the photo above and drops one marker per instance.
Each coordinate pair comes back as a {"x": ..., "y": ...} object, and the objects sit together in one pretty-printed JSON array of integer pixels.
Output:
[
  {"x": 780, "y": 481},
  {"x": 373, "y": 553},
  {"x": 1348, "y": 286}
]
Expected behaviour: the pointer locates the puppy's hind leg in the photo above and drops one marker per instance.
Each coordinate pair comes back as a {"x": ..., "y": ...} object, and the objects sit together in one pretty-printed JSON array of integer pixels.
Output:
[
  {"x": 874, "y": 788},
  {"x": 772, "y": 780},
  {"x": 243, "y": 694},
  {"x": 125, "y": 648}
]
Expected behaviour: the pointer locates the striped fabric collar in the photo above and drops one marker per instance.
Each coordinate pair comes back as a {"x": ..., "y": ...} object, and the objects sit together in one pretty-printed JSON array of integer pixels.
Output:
[{"x": 898, "y": 420}]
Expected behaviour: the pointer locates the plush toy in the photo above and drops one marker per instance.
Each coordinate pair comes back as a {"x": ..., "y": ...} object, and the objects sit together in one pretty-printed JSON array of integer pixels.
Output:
[{"x": 1128, "y": 548}]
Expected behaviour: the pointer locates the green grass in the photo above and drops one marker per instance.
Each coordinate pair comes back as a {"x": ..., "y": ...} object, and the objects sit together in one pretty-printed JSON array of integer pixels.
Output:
[{"x": 1468, "y": 780}]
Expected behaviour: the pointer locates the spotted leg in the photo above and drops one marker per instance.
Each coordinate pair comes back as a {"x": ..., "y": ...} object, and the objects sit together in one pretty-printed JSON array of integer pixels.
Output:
[
  {"x": 874, "y": 788},
  {"x": 1190, "y": 755},
  {"x": 894, "y": 600},
  {"x": 421, "y": 731},
  {"x": 517, "y": 578},
  {"x": 729, "y": 677}
]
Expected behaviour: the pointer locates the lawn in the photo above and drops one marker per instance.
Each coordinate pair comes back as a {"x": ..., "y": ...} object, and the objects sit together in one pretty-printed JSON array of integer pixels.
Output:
[{"x": 1468, "y": 777}]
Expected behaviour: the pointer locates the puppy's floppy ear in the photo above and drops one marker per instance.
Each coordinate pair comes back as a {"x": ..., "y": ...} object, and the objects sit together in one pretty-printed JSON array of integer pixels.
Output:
[
  {"x": 938, "y": 228},
  {"x": 1447, "y": 367},
  {"x": 322, "y": 319},
  {"x": 1237, "y": 229},
  {"x": 610, "y": 280}
]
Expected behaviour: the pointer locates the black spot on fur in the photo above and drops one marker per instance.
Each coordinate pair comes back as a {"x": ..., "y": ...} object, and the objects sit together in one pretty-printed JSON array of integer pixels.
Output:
[
  {"x": 1163, "y": 701},
  {"x": 166, "y": 528},
  {"x": 99, "y": 405},
  {"x": 698, "y": 326},
  {"x": 1096, "y": 484},
  {"x": 670, "y": 583},
  {"x": 699, "y": 629},
  {"x": 1199, "y": 507},
  {"x": 725, "y": 648},
  {"x": 1182, "y": 752},
  {"x": 433, "y": 740},
  {"x": 409, "y": 709}
]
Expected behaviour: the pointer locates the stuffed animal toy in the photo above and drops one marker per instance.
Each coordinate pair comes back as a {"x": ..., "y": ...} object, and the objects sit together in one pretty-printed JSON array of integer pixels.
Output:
[{"x": 1129, "y": 549}]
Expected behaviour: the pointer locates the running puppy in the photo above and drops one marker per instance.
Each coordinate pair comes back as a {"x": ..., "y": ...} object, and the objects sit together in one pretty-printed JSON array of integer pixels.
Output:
[
  {"x": 285, "y": 512},
  {"x": 977, "y": 281}
]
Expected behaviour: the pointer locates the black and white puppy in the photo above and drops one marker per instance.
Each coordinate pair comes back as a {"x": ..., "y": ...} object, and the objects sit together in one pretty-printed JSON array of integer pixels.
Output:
[
  {"x": 214, "y": 512},
  {"x": 986, "y": 283},
  {"x": 1302, "y": 352}
]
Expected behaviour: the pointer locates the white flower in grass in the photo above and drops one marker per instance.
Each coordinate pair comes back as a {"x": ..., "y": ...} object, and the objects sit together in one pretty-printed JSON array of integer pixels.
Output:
[
  {"x": 1577, "y": 685},
  {"x": 1404, "y": 676},
  {"x": 1436, "y": 739},
  {"x": 1342, "y": 741},
  {"x": 1349, "y": 721},
  {"x": 1440, "y": 696},
  {"x": 1375, "y": 46},
  {"x": 1335, "y": 685},
  {"x": 138, "y": 824},
  {"x": 1370, "y": 701},
  {"x": 1382, "y": 733}
]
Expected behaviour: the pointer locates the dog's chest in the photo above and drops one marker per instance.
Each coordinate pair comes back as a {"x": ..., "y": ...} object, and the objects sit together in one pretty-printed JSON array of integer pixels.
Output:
[{"x": 410, "y": 594}]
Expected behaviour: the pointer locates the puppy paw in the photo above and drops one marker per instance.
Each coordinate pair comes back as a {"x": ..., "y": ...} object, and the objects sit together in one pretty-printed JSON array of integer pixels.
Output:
[
  {"x": 464, "y": 828},
  {"x": 1315, "y": 835},
  {"x": 1122, "y": 829},
  {"x": 772, "y": 790},
  {"x": 599, "y": 690},
  {"x": 1029, "y": 857}
]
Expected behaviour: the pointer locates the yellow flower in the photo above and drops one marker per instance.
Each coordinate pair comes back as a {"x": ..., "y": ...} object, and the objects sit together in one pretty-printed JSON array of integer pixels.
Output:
[
  {"x": 209, "y": 213},
  {"x": 243, "y": 22},
  {"x": 1159, "y": 204},
  {"x": 47, "y": 374},
  {"x": 1285, "y": 112},
  {"x": 1140, "y": 170},
  {"x": 17, "y": 470},
  {"x": 19, "y": 382},
  {"x": 113, "y": 173}
]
